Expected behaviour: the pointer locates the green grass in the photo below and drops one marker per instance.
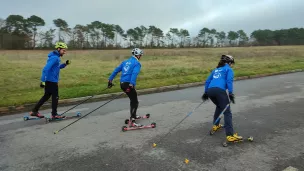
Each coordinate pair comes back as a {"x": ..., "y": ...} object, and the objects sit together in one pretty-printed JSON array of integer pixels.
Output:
[{"x": 89, "y": 71}]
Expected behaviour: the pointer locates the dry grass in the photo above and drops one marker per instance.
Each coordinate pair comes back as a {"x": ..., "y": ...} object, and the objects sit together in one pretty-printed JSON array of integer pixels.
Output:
[{"x": 88, "y": 73}]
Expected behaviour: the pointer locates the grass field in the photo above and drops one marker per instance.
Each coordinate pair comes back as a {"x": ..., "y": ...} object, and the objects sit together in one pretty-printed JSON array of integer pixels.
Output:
[{"x": 89, "y": 70}]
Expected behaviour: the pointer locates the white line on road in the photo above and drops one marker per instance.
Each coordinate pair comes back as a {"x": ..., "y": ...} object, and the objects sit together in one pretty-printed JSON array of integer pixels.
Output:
[
  {"x": 241, "y": 97},
  {"x": 290, "y": 169}
]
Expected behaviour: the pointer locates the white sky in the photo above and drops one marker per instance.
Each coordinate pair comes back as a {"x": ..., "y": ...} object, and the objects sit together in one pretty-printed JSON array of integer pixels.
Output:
[{"x": 193, "y": 15}]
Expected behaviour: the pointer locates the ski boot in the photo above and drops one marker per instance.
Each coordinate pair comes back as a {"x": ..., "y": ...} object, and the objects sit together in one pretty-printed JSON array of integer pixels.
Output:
[
  {"x": 235, "y": 139},
  {"x": 37, "y": 116},
  {"x": 215, "y": 128},
  {"x": 134, "y": 124},
  {"x": 58, "y": 116},
  {"x": 55, "y": 118}
]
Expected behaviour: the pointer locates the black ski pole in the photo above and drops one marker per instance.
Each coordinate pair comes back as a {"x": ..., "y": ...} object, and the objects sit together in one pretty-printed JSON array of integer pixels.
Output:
[
  {"x": 154, "y": 144},
  {"x": 56, "y": 132},
  {"x": 81, "y": 103}
]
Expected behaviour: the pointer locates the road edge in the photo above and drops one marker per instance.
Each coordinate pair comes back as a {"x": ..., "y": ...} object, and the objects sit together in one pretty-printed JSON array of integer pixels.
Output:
[{"x": 10, "y": 110}]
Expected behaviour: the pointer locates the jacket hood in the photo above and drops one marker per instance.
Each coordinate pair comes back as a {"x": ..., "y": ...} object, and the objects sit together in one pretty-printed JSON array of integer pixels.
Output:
[
  {"x": 227, "y": 65},
  {"x": 54, "y": 53}
]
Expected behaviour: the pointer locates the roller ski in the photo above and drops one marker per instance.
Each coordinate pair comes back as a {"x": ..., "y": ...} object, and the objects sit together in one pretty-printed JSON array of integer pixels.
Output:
[
  {"x": 138, "y": 117},
  {"x": 33, "y": 116},
  {"x": 61, "y": 117},
  {"x": 235, "y": 139},
  {"x": 133, "y": 126},
  {"x": 216, "y": 128}
]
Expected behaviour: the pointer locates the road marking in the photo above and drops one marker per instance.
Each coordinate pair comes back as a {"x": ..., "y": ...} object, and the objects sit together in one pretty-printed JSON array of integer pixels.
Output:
[
  {"x": 241, "y": 97},
  {"x": 291, "y": 169},
  {"x": 288, "y": 86}
]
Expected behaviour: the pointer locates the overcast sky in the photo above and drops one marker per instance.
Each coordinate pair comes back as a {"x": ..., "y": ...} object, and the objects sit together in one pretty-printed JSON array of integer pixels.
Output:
[{"x": 223, "y": 15}]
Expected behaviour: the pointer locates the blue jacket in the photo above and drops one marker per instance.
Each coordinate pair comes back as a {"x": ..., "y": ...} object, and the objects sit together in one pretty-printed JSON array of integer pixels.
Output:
[
  {"x": 221, "y": 77},
  {"x": 129, "y": 69},
  {"x": 52, "y": 68}
]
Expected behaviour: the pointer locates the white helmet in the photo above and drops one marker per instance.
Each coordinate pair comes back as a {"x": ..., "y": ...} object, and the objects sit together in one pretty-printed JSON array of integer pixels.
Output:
[
  {"x": 137, "y": 51},
  {"x": 227, "y": 58}
]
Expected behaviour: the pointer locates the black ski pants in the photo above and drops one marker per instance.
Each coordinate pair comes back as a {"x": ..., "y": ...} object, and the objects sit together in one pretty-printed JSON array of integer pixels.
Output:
[
  {"x": 132, "y": 94},
  {"x": 50, "y": 89},
  {"x": 220, "y": 98}
]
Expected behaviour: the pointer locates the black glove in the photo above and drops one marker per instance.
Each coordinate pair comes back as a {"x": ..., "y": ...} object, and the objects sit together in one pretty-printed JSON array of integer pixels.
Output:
[
  {"x": 42, "y": 84},
  {"x": 205, "y": 96},
  {"x": 110, "y": 84},
  {"x": 231, "y": 96},
  {"x": 67, "y": 62}
]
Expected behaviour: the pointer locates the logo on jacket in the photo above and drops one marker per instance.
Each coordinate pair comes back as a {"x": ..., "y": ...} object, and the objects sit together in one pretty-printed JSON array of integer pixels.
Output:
[
  {"x": 127, "y": 67},
  {"x": 217, "y": 74}
]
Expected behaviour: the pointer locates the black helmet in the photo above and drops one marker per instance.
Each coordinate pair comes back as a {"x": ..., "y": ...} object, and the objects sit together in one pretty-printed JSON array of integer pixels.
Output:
[{"x": 227, "y": 59}]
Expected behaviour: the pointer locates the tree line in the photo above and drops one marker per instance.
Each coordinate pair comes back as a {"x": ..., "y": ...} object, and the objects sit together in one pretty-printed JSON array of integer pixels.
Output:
[{"x": 18, "y": 32}]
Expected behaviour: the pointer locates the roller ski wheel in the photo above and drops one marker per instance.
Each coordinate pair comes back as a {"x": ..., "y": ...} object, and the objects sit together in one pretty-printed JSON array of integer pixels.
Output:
[
  {"x": 249, "y": 139},
  {"x": 78, "y": 114},
  {"x": 124, "y": 128},
  {"x": 153, "y": 125},
  {"x": 25, "y": 118},
  {"x": 215, "y": 129},
  {"x": 139, "y": 117}
]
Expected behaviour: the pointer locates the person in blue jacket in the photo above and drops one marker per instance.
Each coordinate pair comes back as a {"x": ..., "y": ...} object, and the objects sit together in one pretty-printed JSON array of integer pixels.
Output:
[
  {"x": 129, "y": 69},
  {"x": 50, "y": 78},
  {"x": 218, "y": 82}
]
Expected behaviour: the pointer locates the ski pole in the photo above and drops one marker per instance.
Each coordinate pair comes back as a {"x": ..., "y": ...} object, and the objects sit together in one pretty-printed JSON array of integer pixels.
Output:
[
  {"x": 56, "y": 132},
  {"x": 81, "y": 103},
  {"x": 181, "y": 121},
  {"x": 220, "y": 116}
]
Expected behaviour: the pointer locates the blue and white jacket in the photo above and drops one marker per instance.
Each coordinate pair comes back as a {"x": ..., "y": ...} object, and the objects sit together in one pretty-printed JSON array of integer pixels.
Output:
[
  {"x": 221, "y": 77},
  {"x": 129, "y": 69}
]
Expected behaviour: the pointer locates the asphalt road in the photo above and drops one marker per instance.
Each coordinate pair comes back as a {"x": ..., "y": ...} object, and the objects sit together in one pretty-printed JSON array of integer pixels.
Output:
[{"x": 269, "y": 109}]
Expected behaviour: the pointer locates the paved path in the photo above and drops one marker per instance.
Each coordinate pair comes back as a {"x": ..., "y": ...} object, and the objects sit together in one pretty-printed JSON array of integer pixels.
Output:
[{"x": 269, "y": 109}]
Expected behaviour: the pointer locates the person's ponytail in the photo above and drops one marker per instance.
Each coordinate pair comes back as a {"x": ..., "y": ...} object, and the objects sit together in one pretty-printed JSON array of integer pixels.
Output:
[{"x": 221, "y": 64}]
